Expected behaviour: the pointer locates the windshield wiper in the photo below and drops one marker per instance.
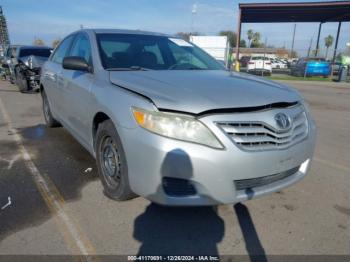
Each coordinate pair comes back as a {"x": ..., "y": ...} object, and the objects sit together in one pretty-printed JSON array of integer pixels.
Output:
[{"x": 131, "y": 68}]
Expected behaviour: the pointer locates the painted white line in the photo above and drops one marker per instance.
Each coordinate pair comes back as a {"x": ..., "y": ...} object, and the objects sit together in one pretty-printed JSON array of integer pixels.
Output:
[
  {"x": 49, "y": 192},
  {"x": 11, "y": 161}
]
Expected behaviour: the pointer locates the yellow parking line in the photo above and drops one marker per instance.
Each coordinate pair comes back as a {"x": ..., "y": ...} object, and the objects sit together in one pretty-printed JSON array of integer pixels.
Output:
[
  {"x": 76, "y": 241},
  {"x": 331, "y": 164}
]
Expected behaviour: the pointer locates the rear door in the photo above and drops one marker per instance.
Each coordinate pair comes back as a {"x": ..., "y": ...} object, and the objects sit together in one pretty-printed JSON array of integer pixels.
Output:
[
  {"x": 51, "y": 70},
  {"x": 76, "y": 90}
]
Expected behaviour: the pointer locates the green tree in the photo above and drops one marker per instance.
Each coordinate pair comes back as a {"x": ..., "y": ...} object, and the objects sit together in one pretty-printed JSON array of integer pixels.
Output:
[
  {"x": 256, "y": 40},
  {"x": 38, "y": 41},
  {"x": 250, "y": 35},
  {"x": 328, "y": 42},
  {"x": 231, "y": 37},
  {"x": 242, "y": 43}
]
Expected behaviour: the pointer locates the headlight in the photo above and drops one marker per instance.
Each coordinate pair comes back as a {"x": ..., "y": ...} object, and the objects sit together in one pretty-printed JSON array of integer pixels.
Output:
[{"x": 176, "y": 126}]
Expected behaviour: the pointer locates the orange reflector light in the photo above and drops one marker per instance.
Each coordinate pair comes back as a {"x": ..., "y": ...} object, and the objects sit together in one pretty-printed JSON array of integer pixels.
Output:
[{"x": 140, "y": 117}]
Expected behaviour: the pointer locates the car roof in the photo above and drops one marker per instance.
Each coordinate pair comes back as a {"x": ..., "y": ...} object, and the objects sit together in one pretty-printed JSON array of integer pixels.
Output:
[{"x": 123, "y": 31}]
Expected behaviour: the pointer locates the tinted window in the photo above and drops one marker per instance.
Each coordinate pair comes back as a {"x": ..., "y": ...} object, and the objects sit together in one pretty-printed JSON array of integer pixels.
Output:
[
  {"x": 260, "y": 58},
  {"x": 34, "y": 51},
  {"x": 314, "y": 59},
  {"x": 62, "y": 49},
  {"x": 81, "y": 47},
  {"x": 152, "y": 52}
]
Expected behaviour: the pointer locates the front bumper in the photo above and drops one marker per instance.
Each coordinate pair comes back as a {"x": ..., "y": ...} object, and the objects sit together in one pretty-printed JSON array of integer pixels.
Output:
[{"x": 212, "y": 172}]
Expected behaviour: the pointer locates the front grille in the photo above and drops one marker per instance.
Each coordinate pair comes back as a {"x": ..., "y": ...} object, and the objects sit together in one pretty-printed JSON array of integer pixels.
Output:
[
  {"x": 178, "y": 187},
  {"x": 257, "y": 135},
  {"x": 265, "y": 180}
]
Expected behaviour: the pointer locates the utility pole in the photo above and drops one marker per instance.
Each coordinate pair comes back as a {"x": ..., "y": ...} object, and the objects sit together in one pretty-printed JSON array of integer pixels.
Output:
[
  {"x": 308, "y": 51},
  {"x": 4, "y": 35},
  {"x": 292, "y": 50},
  {"x": 194, "y": 12},
  {"x": 318, "y": 40}
]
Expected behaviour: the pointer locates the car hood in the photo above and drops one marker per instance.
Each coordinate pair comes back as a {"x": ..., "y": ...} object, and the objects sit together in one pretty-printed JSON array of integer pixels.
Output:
[
  {"x": 36, "y": 61},
  {"x": 199, "y": 91}
]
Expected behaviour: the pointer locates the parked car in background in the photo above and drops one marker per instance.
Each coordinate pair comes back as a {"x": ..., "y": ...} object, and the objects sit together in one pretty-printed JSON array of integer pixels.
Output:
[
  {"x": 259, "y": 65},
  {"x": 166, "y": 121},
  {"x": 26, "y": 66},
  {"x": 336, "y": 67},
  {"x": 244, "y": 61},
  {"x": 311, "y": 66},
  {"x": 291, "y": 62},
  {"x": 278, "y": 64},
  {"x": 10, "y": 60}
]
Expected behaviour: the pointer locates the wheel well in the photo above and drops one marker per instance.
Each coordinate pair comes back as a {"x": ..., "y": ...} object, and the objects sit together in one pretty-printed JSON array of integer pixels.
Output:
[{"x": 98, "y": 119}]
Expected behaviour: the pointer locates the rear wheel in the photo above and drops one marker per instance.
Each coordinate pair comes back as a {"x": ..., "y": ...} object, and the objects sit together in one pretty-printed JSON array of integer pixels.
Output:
[
  {"x": 111, "y": 163},
  {"x": 49, "y": 119}
]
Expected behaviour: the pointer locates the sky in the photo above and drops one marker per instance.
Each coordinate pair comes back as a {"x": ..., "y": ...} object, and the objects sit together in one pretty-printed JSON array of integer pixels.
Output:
[{"x": 51, "y": 19}]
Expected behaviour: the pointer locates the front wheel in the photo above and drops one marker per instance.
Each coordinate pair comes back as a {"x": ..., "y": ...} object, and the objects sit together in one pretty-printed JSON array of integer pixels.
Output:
[
  {"x": 111, "y": 163},
  {"x": 21, "y": 82}
]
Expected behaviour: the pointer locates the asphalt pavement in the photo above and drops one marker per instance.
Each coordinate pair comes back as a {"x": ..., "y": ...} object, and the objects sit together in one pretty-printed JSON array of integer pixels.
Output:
[{"x": 57, "y": 205}]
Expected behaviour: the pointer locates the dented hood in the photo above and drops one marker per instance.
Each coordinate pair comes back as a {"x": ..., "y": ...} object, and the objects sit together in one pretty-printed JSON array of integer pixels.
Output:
[{"x": 199, "y": 91}]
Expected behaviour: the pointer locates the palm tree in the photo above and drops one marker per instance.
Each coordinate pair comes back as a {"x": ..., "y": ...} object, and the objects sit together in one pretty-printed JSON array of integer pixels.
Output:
[
  {"x": 250, "y": 35},
  {"x": 328, "y": 41},
  {"x": 256, "y": 39}
]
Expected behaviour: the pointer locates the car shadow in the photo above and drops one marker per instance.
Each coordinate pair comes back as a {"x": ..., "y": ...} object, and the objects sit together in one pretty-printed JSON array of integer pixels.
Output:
[
  {"x": 253, "y": 245},
  {"x": 56, "y": 154},
  {"x": 189, "y": 230},
  {"x": 160, "y": 229},
  {"x": 178, "y": 231}
]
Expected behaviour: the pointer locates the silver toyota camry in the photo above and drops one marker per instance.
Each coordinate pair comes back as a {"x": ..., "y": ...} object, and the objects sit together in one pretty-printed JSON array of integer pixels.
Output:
[{"x": 166, "y": 121}]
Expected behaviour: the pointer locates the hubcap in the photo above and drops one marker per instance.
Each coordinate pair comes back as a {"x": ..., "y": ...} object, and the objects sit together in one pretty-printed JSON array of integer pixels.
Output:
[{"x": 110, "y": 161}]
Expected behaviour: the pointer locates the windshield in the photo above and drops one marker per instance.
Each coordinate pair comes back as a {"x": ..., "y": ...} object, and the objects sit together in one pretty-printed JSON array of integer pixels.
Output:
[
  {"x": 133, "y": 51},
  {"x": 36, "y": 52}
]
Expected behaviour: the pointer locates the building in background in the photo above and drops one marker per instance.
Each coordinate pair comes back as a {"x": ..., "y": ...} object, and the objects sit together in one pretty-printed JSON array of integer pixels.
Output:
[
  {"x": 268, "y": 52},
  {"x": 4, "y": 36}
]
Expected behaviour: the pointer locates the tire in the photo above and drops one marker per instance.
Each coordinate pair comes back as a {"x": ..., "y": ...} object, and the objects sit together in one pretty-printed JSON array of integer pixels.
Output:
[
  {"x": 111, "y": 163},
  {"x": 21, "y": 82},
  {"x": 12, "y": 78},
  {"x": 49, "y": 119}
]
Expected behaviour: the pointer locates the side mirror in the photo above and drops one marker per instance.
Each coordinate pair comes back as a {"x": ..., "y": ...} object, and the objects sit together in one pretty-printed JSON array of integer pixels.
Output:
[
  {"x": 76, "y": 63},
  {"x": 5, "y": 66}
]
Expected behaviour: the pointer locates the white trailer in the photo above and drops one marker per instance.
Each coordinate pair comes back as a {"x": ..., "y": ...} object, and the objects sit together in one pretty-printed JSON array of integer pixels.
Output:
[{"x": 216, "y": 46}]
